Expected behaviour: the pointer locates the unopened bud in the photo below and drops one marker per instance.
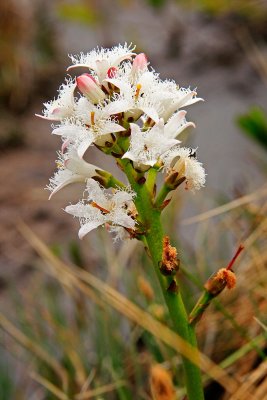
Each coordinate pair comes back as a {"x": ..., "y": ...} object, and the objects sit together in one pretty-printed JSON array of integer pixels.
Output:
[
  {"x": 174, "y": 179},
  {"x": 89, "y": 87},
  {"x": 139, "y": 63},
  {"x": 112, "y": 72}
]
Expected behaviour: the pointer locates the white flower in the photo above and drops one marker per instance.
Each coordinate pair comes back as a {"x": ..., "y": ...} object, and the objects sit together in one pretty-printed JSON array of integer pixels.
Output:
[
  {"x": 71, "y": 169},
  {"x": 147, "y": 94},
  {"x": 63, "y": 106},
  {"x": 119, "y": 233},
  {"x": 183, "y": 160},
  {"x": 100, "y": 208},
  {"x": 75, "y": 135},
  {"x": 136, "y": 91},
  {"x": 165, "y": 97},
  {"x": 146, "y": 147},
  {"x": 91, "y": 124},
  {"x": 102, "y": 60},
  {"x": 90, "y": 217},
  {"x": 122, "y": 106},
  {"x": 84, "y": 110},
  {"x": 171, "y": 101},
  {"x": 176, "y": 124}
]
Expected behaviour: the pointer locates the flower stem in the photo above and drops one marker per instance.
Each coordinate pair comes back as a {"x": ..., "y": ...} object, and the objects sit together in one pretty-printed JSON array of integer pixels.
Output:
[
  {"x": 177, "y": 311},
  {"x": 151, "y": 180},
  {"x": 163, "y": 193},
  {"x": 150, "y": 217},
  {"x": 115, "y": 183}
]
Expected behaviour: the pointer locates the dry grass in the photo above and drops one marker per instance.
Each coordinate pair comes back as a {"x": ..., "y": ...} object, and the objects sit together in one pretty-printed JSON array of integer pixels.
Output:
[{"x": 232, "y": 332}]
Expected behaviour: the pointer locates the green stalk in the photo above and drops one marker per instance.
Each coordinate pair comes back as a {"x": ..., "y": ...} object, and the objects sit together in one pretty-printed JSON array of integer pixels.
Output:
[
  {"x": 150, "y": 217},
  {"x": 163, "y": 193},
  {"x": 176, "y": 308},
  {"x": 115, "y": 183},
  {"x": 151, "y": 180},
  {"x": 108, "y": 180}
]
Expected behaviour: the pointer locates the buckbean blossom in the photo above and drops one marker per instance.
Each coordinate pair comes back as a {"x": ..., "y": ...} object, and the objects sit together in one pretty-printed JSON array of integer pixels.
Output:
[
  {"x": 100, "y": 207},
  {"x": 100, "y": 61},
  {"x": 63, "y": 106},
  {"x": 121, "y": 107},
  {"x": 71, "y": 169},
  {"x": 146, "y": 147},
  {"x": 147, "y": 93},
  {"x": 90, "y": 124}
]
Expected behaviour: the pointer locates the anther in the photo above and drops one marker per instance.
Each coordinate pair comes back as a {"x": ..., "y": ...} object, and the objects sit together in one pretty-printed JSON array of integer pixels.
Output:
[
  {"x": 92, "y": 117},
  {"x": 137, "y": 92},
  {"x": 93, "y": 204}
]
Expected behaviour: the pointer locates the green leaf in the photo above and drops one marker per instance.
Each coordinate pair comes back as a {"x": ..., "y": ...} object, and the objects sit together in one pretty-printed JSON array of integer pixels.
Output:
[{"x": 254, "y": 124}]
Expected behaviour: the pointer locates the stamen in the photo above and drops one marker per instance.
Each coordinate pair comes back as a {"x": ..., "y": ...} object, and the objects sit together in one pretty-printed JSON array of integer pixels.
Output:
[
  {"x": 59, "y": 164},
  {"x": 137, "y": 92},
  {"x": 92, "y": 117},
  {"x": 93, "y": 204}
]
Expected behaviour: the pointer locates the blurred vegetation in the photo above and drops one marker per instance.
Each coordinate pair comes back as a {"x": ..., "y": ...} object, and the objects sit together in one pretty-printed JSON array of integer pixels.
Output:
[
  {"x": 248, "y": 8},
  {"x": 83, "y": 12},
  {"x": 28, "y": 51},
  {"x": 28, "y": 58},
  {"x": 254, "y": 124},
  {"x": 78, "y": 346}
]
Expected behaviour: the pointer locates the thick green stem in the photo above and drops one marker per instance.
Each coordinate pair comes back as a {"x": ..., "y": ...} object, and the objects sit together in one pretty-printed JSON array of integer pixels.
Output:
[
  {"x": 150, "y": 217},
  {"x": 177, "y": 310}
]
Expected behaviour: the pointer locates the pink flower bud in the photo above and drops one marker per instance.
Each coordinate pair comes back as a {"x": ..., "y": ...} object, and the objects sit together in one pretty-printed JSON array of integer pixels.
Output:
[
  {"x": 112, "y": 72},
  {"x": 139, "y": 63},
  {"x": 89, "y": 87}
]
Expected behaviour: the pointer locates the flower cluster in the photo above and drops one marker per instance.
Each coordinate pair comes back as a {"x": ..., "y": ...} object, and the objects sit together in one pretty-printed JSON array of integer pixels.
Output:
[
  {"x": 116, "y": 210},
  {"x": 124, "y": 109}
]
